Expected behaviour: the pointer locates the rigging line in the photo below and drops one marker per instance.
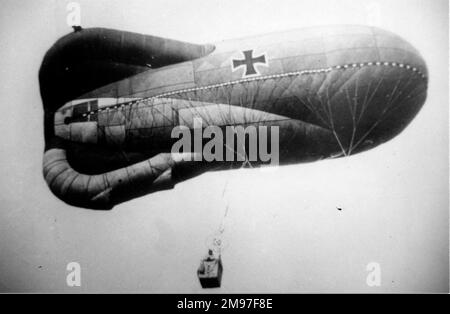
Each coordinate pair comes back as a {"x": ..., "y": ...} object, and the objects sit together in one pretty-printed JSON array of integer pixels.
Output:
[
  {"x": 255, "y": 95},
  {"x": 320, "y": 107},
  {"x": 224, "y": 188},
  {"x": 341, "y": 82},
  {"x": 246, "y": 160},
  {"x": 234, "y": 151},
  {"x": 315, "y": 112},
  {"x": 192, "y": 105},
  {"x": 408, "y": 82},
  {"x": 225, "y": 113},
  {"x": 350, "y": 105},
  {"x": 268, "y": 98},
  {"x": 386, "y": 110},
  {"x": 366, "y": 103},
  {"x": 245, "y": 113},
  {"x": 222, "y": 224},
  {"x": 353, "y": 113},
  {"x": 318, "y": 110},
  {"x": 332, "y": 124},
  {"x": 210, "y": 120},
  {"x": 161, "y": 112},
  {"x": 356, "y": 102},
  {"x": 326, "y": 109}
]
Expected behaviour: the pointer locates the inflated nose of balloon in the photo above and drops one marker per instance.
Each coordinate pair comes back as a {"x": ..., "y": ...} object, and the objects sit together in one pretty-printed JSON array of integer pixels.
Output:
[{"x": 377, "y": 100}]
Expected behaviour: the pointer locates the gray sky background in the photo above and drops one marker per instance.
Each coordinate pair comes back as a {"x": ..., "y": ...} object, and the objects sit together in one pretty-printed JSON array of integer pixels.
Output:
[{"x": 283, "y": 231}]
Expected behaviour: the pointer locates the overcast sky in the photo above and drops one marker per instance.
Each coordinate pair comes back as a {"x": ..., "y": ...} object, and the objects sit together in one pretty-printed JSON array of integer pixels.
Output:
[{"x": 283, "y": 231}]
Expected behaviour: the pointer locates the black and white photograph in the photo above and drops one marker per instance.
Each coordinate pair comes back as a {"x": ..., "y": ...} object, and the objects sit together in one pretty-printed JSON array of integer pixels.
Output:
[{"x": 213, "y": 147}]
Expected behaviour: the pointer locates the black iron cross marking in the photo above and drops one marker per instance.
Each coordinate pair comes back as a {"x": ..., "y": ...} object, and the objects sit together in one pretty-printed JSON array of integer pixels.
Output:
[{"x": 249, "y": 62}]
